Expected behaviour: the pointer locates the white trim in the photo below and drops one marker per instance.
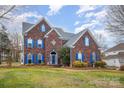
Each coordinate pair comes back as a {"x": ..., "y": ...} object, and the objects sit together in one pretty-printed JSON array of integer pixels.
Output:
[
  {"x": 94, "y": 38},
  {"x": 79, "y": 37},
  {"x": 36, "y": 24},
  {"x": 86, "y": 30},
  {"x": 56, "y": 58},
  {"x": 46, "y": 35}
]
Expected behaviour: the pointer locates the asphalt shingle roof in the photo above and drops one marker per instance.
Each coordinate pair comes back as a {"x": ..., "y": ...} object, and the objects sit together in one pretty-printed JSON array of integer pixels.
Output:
[
  {"x": 69, "y": 37},
  {"x": 116, "y": 48},
  {"x": 65, "y": 35},
  {"x": 26, "y": 26}
]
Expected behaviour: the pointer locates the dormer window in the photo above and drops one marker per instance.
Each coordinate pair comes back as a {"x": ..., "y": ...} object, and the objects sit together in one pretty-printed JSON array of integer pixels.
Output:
[
  {"x": 42, "y": 28},
  {"x": 86, "y": 41},
  {"x": 29, "y": 42}
]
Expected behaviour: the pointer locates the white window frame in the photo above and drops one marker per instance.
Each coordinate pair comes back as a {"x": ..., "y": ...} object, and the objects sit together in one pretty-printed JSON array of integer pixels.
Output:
[
  {"x": 30, "y": 42},
  {"x": 87, "y": 41},
  {"x": 30, "y": 58},
  {"x": 79, "y": 56},
  {"x": 42, "y": 28},
  {"x": 94, "y": 56}
]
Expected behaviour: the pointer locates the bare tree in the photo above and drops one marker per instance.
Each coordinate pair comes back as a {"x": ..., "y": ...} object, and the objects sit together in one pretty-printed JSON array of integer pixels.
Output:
[
  {"x": 101, "y": 40},
  {"x": 16, "y": 41},
  {"x": 5, "y": 10},
  {"x": 115, "y": 21},
  {"x": 4, "y": 39}
]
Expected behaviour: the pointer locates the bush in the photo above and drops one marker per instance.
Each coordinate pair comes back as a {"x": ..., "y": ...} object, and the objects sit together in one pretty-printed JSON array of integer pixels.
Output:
[
  {"x": 122, "y": 68},
  {"x": 80, "y": 64},
  {"x": 100, "y": 64}
]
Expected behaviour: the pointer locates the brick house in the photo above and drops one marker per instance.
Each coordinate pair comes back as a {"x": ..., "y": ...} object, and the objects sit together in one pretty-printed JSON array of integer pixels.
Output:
[{"x": 42, "y": 43}]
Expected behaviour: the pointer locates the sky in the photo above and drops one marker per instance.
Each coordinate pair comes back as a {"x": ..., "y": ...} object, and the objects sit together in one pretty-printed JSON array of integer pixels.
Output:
[{"x": 72, "y": 18}]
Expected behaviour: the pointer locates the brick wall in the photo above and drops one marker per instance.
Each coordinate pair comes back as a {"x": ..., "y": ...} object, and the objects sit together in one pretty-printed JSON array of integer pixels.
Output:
[
  {"x": 79, "y": 46},
  {"x": 36, "y": 34},
  {"x": 49, "y": 47}
]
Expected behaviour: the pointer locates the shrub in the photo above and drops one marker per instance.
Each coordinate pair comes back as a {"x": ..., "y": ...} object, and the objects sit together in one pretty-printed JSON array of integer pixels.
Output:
[
  {"x": 80, "y": 64},
  {"x": 122, "y": 68},
  {"x": 100, "y": 64}
]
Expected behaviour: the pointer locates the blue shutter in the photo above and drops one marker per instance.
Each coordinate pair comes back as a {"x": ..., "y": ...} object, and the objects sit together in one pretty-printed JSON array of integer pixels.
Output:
[
  {"x": 91, "y": 58},
  {"x": 32, "y": 58},
  {"x": 37, "y": 43},
  {"x": 42, "y": 57},
  {"x": 76, "y": 56},
  {"x": 26, "y": 58},
  {"x": 82, "y": 57},
  {"x": 32, "y": 43},
  {"x": 42, "y": 44},
  {"x": 37, "y": 59}
]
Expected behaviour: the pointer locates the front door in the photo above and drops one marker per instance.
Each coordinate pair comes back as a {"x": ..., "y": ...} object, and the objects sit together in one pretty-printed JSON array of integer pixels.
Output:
[{"x": 53, "y": 58}]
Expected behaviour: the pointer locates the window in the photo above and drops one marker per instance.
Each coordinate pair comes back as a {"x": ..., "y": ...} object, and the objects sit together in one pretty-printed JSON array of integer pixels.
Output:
[
  {"x": 42, "y": 28},
  {"x": 79, "y": 56},
  {"x": 30, "y": 42},
  {"x": 40, "y": 58},
  {"x": 94, "y": 56},
  {"x": 39, "y": 43},
  {"x": 29, "y": 58},
  {"x": 86, "y": 41}
]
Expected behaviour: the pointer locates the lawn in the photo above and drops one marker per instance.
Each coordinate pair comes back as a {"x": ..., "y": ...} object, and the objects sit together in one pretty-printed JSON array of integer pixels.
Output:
[{"x": 48, "y": 77}]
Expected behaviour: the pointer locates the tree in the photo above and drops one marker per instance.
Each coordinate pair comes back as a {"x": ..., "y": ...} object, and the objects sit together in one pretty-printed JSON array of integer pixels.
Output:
[
  {"x": 16, "y": 41},
  {"x": 4, "y": 39},
  {"x": 5, "y": 10},
  {"x": 101, "y": 40},
  {"x": 65, "y": 56},
  {"x": 115, "y": 21}
]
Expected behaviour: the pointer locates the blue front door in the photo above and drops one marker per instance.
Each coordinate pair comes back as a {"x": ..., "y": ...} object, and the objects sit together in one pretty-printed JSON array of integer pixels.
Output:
[{"x": 53, "y": 59}]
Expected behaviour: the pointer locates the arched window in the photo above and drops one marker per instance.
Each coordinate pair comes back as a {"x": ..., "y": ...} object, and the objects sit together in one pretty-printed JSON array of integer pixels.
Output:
[
  {"x": 86, "y": 41},
  {"x": 42, "y": 28}
]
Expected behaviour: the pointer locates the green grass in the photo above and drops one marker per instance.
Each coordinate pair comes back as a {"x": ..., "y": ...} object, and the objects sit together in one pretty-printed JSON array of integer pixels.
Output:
[{"x": 45, "y": 77}]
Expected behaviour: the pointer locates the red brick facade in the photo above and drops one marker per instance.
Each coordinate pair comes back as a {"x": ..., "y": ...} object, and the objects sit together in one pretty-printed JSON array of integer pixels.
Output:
[
  {"x": 52, "y": 42},
  {"x": 80, "y": 46},
  {"x": 36, "y": 34},
  {"x": 49, "y": 47}
]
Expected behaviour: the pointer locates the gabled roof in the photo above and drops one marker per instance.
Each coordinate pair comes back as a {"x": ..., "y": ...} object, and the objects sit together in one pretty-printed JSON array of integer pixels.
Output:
[
  {"x": 119, "y": 55},
  {"x": 118, "y": 47},
  {"x": 31, "y": 27},
  {"x": 64, "y": 35},
  {"x": 77, "y": 36},
  {"x": 26, "y": 26},
  {"x": 71, "y": 38},
  {"x": 46, "y": 35}
]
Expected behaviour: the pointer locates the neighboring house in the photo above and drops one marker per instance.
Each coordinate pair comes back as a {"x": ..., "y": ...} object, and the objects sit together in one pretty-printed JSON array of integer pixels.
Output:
[
  {"x": 115, "y": 55},
  {"x": 42, "y": 43},
  {"x": 4, "y": 45}
]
